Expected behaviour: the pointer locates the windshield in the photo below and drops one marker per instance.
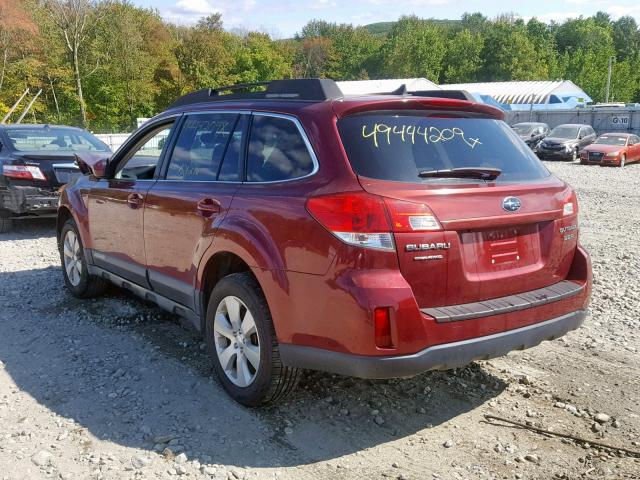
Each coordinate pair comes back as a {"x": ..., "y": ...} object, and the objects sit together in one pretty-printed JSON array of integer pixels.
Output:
[
  {"x": 52, "y": 139},
  {"x": 611, "y": 140},
  {"x": 399, "y": 147},
  {"x": 522, "y": 129},
  {"x": 564, "y": 132}
]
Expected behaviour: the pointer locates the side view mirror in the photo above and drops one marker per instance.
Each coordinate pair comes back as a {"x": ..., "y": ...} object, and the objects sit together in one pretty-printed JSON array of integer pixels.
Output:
[{"x": 92, "y": 165}]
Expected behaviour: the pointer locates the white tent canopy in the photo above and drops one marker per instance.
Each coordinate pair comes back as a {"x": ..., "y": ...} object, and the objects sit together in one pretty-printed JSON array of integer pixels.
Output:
[
  {"x": 363, "y": 87},
  {"x": 536, "y": 92}
]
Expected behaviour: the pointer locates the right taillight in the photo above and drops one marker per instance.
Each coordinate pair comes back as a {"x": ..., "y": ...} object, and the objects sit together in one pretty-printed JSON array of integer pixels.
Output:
[
  {"x": 366, "y": 220},
  {"x": 570, "y": 206}
]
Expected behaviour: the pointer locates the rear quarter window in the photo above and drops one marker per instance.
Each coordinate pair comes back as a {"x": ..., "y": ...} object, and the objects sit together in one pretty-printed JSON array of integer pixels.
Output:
[{"x": 398, "y": 147}]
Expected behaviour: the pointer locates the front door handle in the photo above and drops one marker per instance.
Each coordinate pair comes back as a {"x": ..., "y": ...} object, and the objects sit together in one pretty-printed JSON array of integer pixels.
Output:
[
  {"x": 135, "y": 200},
  {"x": 208, "y": 207}
]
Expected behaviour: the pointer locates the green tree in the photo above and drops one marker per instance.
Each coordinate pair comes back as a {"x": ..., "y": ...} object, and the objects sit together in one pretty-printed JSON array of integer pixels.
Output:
[
  {"x": 463, "y": 61},
  {"x": 414, "y": 48}
]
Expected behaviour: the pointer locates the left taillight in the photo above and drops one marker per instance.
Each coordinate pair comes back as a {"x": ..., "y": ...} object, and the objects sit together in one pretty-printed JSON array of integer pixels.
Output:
[
  {"x": 366, "y": 220},
  {"x": 23, "y": 172}
]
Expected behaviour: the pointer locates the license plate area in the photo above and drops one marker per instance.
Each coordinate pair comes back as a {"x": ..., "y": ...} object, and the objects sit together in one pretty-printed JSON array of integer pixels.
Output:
[{"x": 504, "y": 249}]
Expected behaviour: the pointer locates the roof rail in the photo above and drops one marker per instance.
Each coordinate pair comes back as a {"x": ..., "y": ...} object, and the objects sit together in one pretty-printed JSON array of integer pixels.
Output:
[{"x": 307, "y": 89}]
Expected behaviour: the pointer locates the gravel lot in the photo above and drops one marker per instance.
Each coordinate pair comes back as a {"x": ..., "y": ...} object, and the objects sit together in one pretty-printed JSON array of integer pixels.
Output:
[{"x": 112, "y": 388}]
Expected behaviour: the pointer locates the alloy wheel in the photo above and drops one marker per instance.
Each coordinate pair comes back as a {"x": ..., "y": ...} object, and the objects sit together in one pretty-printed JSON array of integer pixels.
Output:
[
  {"x": 237, "y": 343},
  {"x": 72, "y": 258}
]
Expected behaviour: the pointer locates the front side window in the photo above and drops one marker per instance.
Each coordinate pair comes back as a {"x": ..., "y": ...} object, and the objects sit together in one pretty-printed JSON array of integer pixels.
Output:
[
  {"x": 201, "y": 146},
  {"x": 410, "y": 148},
  {"x": 141, "y": 162},
  {"x": 276, "y": 151}
]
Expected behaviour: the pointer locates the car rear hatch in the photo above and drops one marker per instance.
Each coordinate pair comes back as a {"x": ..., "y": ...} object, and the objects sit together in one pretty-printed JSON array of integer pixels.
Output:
[{"x": 494, "y": 237}]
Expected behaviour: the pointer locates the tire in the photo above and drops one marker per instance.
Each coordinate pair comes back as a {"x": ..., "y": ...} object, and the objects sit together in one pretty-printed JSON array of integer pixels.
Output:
[
  {"x": 246, "y": 383},
  {"x": 77, "y": 279},
  {"x": 574, "y": 155},
  {"x": 623, "y": 161},
  {"x": 6, "y": 222}
]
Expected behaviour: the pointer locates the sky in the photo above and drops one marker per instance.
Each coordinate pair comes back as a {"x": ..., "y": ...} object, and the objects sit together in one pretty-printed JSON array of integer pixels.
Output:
[{"x": 283, "y": 18}]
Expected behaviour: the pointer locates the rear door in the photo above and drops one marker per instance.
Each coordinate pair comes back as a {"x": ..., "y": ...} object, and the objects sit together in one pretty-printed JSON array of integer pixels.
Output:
[
  {"x": 498, "y": 237},
  {"x": 185, "y": 207},
  {"x": 116, "y": 205}
]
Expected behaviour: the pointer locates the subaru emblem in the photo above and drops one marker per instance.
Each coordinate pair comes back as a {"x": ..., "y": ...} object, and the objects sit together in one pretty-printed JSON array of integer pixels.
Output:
[{"x": 511, "y": 204}]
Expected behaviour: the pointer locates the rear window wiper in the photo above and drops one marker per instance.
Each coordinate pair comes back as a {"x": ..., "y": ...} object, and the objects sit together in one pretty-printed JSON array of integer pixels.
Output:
[{"x": 480, "y": 173}]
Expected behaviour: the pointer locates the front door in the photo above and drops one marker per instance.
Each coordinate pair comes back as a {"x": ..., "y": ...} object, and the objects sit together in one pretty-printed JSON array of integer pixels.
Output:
[
  {"x": 185, "y": 207},
  {"x": 116, "y": 205}
]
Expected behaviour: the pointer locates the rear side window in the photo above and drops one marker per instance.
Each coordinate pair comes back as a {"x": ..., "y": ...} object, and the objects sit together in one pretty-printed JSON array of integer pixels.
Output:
[
  {"x": 276, "y": 151},
  {"x": 394, "y": 147},
  {"x": 201, "y": 146}
]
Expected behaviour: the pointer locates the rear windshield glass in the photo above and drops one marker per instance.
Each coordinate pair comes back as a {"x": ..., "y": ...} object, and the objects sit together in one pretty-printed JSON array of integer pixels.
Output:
[
  {"x": 398, "y": 147},
  {"x": 564, "y": 132},
  {"x": 54, "y": 139},
  {"x": 610, "y": 140}
]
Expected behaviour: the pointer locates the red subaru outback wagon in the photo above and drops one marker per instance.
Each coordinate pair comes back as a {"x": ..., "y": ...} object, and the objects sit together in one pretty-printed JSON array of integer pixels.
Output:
[{"x": 295, "y": 227}]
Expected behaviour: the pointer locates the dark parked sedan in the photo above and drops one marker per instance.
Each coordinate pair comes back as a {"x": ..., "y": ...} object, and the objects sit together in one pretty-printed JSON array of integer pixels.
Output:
[
  {"x": 35, "y": 161},
  {"x": 531, "y": 132},
  {"x": 566, "y": 141}
]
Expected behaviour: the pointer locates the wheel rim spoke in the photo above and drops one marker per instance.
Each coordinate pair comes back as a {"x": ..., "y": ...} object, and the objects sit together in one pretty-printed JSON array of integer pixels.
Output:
[
  {"x": 252, "y": 352},
  {"x": 223, "y": 327},
  {"x": 248, "y": 324},
  {"x": 233, "y": 310},
  {"x": 244, "y": 376},
  {"x": 226, "y": 357}
]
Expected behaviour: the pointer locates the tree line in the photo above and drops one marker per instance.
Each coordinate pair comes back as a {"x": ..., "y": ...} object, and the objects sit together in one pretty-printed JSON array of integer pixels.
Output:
[{"x": 103, "y": 63}]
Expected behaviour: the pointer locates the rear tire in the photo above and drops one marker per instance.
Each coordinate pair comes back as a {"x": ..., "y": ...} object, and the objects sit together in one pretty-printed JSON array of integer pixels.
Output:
[
  {"x": 6, "y": 222},
  {"x": 74, "y": 264},
  {"x": 243, "y": 345}
]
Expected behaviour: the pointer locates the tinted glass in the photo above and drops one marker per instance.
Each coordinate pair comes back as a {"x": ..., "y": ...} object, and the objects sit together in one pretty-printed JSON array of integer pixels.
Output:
[
  {"x": 54, "y": 139},
  {"x": 398, "y": 147},
  {"x": 564, "y": 132},
  {"x": 200, "y": 147},
  {"x": 141, "y": 161},
  {"x": 611, "y": 140},
  {"x": 231, "y": 168},
  {"x": 277, "y": 151}
]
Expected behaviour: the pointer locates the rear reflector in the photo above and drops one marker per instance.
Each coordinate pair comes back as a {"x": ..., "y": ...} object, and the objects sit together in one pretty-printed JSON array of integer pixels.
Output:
[
  {"x": 366, "y": 220},
  {"x": 382, "y": 321},
  {"x": 23, "y": 172}
]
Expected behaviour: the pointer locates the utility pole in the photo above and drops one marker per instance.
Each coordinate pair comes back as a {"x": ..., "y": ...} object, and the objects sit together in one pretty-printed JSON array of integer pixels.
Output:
[
  {"x": 608, "y": 81},
  {"x": 11, "y": 110}
]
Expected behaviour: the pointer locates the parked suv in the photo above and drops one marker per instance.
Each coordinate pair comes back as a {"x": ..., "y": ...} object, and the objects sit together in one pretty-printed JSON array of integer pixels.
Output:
[
  {"x": 35, "y": 161},
  {"x": 374, "y": 236},
  {"x": 565, "y": 142}
]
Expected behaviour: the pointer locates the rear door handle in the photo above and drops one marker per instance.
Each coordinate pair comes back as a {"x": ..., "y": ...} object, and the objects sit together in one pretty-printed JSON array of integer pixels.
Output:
[
  {"x": 135, "y": 200},
  {"x": 208, "y": 207}
]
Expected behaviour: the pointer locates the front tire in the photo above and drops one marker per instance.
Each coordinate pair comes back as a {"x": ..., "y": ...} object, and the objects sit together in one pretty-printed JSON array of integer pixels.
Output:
[
  {"x": 623, "y": 161},
  {"x": 6, "y": 222},
  {"x": 74, "y": 264},
  {"x": 243, "y": 345},
  {"x": 574, "y": 155}
]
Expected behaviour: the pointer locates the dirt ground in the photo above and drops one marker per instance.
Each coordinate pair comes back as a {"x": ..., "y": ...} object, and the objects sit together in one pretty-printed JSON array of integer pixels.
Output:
[{"x": 115, "y": 389}]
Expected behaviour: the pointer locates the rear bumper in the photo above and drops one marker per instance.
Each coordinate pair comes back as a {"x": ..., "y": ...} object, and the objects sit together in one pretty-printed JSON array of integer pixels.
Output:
[
  {"x": 438, "y": 357},
  {"x": 21, "y": 200}
]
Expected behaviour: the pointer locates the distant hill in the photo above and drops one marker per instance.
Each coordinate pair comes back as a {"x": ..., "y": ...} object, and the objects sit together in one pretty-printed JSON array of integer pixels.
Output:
[{"x": 383, "y": 28}]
